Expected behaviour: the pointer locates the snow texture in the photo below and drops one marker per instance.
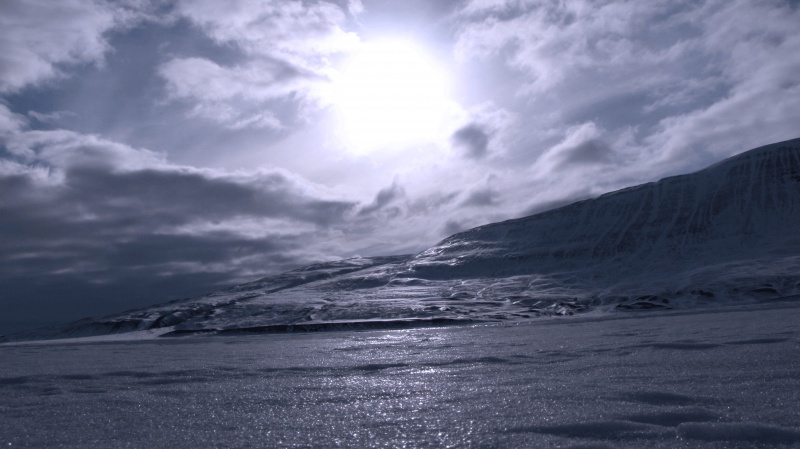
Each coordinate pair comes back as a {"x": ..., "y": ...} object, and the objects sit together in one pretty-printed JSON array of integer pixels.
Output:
[
  {"x": 726, "y": 234},
  {"x": 701, "y": 378}
]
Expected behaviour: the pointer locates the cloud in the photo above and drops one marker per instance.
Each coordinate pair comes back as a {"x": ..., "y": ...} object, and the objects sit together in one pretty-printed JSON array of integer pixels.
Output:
[
  {"x": 64, "y": 149},
  {"x": 472, "y": 140},
  {"x": 452, "y": 227},
  {"x": 589, "y": 152},
  {"x": 301, "y": 33},
  {"x": 287, "y": 46},
  {"x": 757, "y": 48},
  {"x": 41, "y": 37},
  {"x": 52, "y": 117},
  {"x": 481, "y": 198},
  {"x": 85, "y": 203},
  {"x": 683, "y": 83},
  {"x": 385, "y": 197},
  {"x": 230, "y": 96},
  {"x": 431, "y": 203},
  {"x": 486, "y": 130},
  {"x": 9, "y": 121},
  {"x": 139, "y": 186},
  {"x": 206, "y": 80},
  {"x": 556, "y": 42},
  {"x": 583, "y": 146},
  {"x": 176, "y": 195},
  {"x": 83, "y": 211}
]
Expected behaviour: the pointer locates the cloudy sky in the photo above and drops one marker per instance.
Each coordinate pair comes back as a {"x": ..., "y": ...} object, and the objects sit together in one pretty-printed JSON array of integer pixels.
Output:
[{"x": 152, "y": 150}]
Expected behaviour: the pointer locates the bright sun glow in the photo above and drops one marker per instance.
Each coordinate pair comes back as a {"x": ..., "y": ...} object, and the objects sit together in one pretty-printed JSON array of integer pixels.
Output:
[{"x": 389, "y": 94}]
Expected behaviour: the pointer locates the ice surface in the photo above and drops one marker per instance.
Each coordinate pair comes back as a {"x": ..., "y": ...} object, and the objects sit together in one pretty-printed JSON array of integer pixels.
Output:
[
  {"x": 746, "y": 431},
  {"x": 723, "y": 378}
]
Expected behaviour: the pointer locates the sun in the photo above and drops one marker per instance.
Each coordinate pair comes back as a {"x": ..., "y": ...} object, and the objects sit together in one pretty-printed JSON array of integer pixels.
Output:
[{"x": 387, "y": 95}]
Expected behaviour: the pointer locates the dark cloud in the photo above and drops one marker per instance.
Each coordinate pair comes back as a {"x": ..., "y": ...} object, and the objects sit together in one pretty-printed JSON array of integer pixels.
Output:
[
  {"x": 452, "y": 227},
  {"x": 99, "y": 230},
  {"x": 481, "y": 198},
  {"x": 433, "y": 203},
  {"x": 583, "y": 147},
  {"x": 472, "y": 140},
  {"x": 93, "y": 202},
  {"x": 172, "y": 196},
  {"x": 384, "y": 198},
  {"x": 590, "y": 152}
]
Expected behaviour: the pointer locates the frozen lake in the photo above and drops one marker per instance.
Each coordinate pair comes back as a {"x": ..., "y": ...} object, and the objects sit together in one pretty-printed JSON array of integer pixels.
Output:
[{"x": 725, "y": 378}]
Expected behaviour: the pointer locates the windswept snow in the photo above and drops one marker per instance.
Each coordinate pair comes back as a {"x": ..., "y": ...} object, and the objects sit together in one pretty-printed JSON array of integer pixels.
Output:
[{"x": 722, "y": 378}]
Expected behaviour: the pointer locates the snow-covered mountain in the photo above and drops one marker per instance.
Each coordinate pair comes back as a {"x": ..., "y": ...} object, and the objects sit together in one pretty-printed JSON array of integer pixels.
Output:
[
  {"x": 726, "y": 233},
  {"x": 744, "y": 207}
]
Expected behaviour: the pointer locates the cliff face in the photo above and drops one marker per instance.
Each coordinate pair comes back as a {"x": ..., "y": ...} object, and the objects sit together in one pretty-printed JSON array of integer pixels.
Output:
[{"x": 744, "y": 207}]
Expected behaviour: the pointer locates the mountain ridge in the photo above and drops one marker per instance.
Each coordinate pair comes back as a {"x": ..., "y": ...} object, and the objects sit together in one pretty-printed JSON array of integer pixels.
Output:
[{"x": 644, "y": 203}]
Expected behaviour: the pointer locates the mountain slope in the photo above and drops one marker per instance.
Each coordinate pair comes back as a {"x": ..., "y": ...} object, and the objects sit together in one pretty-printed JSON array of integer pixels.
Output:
[
  {"x": 744, "y": 206},
  {"x": 728, "y": 232}
]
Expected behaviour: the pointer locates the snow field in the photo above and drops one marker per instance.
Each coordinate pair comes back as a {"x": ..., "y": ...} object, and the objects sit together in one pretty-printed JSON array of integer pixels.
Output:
[{"x": 724, "y": 378}]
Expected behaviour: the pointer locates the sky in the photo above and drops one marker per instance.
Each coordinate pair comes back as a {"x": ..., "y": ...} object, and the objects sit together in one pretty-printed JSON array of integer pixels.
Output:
[{"x": 155, "y": 150}]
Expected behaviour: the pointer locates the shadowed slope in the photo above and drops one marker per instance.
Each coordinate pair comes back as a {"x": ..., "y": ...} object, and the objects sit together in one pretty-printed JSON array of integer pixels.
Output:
[{"x": 744, "y": 207}]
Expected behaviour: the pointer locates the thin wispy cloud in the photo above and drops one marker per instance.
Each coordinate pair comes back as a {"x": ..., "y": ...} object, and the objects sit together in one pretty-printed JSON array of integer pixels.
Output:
[
  {"x": 682, "y": 67},
  {"x": 42, "y": 40},
  {"x": 286, "y": 50}
]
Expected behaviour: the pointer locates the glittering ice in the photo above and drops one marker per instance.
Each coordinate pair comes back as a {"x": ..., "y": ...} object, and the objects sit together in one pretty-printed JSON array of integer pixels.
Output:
[{"x": 723, "y": 378}]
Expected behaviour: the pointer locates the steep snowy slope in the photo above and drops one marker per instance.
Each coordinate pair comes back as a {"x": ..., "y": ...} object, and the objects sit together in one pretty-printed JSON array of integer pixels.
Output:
[
  {"x": 745, "y": 207},
  {"x": 726, "y": 233}
]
